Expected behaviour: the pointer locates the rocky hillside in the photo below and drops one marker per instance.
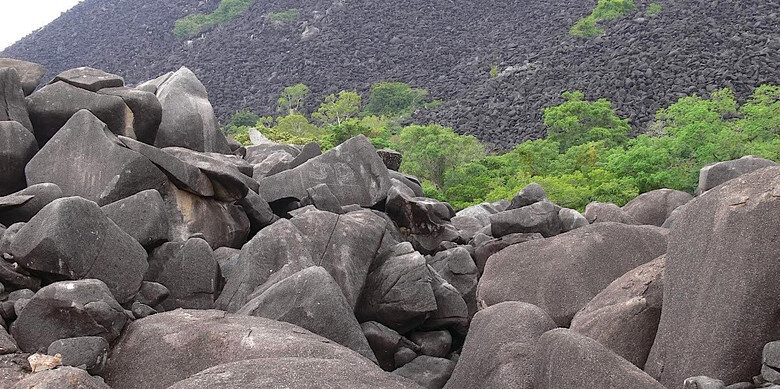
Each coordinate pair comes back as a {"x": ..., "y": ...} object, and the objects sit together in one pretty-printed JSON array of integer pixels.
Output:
[{"x": 140, "y": 248}]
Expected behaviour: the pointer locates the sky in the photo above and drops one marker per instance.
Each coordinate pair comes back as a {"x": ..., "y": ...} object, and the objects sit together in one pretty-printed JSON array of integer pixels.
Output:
[{"x": 21, "y": 17}]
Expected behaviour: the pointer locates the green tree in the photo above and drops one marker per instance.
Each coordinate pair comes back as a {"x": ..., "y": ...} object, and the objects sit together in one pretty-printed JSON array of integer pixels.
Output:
[
  {"x": 430, "y": 151},
  {"x": 394, "y": 99},
  {"x": 335, "y": 110},
  {"x": 578, "y": 121},
  {"x": 292, "y": 98},
  {"x": 244, "y": 117}
]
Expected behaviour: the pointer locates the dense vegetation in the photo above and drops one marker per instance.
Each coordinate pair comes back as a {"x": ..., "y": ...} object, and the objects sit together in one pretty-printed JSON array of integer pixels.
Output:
[
  {"x": 587, "y": 156},
  {"x": 225, "y": 12},
  {"x": 605, "y": 10}
]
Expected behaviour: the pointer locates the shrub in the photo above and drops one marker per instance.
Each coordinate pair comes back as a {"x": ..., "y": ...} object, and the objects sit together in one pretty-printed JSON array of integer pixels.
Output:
[
  {"x": 292, "y": 98},
  {"x": 289, "y": 15},
  {"x": 577, "y": 121},
  {"x": 605, "y": 10},
  {"x": 225, "y": 12},
  {"x": 493, "y": 71},
  {"x": 394, "y": 99},
  {"x": 334, "y": 109},
  {"x": 653, "y": 9}
]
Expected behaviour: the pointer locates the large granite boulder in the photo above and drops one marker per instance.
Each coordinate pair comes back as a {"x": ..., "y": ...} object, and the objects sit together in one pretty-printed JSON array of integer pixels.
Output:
[
  {"x": 276, "y": 252},
  {"x": 458, "y": 268},
  {"x": 483, "y": 211},
  {"x": 30, "y": 74},
  {"x": 64, "y": 377},
  {"x": 86, "y": 160},
  {"x": 165, "y": 348},
  {"x": 68, "y": 309},
  {"x": 141, "y": 216},
  {"x": 187, "y": 115},
  {"x": 501, "y": 347},
  {"x": 229, "y": 183},
  {"x": 720, "y": 303},
  {"x": 17, "y": 148},
  {"x": 717, "y": 173},
  {"x": 293, "y": 372},
  {"x": 656, "y": 206},
  {"x": 145, "y": 108},
  {"x": 575, "y": 266},
  {"x": 569, "y": 360},
  {"x": 53, "y": 105},
  {"x": 72, "y": 238},
  {"x": 624, "y": 316},
  {"x": 597, "y": 212},
  {"x": 12, "y": 104},
  {"x": 484, "y": 250},
  {"x": 23, "y": 205},
  {"x": 352, "y": 171},
  {"x": 530, "y": 194},
  {"x": 311, "y": 299},
  {"x": 188, "y": 270},
  {"x": 428, "y": 372},
  {"x": 541, "y": 217},
  {"x": 90, "y": 79},
  {"x": 426, "y": 222}
]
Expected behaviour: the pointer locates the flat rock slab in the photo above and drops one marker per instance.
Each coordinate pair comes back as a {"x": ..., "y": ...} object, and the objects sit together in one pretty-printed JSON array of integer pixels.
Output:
[{"x": 90, "y": 79}]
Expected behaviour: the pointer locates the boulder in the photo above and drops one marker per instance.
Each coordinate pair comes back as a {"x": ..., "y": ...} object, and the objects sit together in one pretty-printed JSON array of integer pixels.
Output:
[
  {"x": 309, "y": 151},
  {"x": 152, "y": 293},
  {"x": 311, "y": 299},
  {"x": 17, "y": 148},
  {"x": 715, "y": 174},
  {"x": 391, "y": 158},
  {"x": 183, "y": 175},
  {"x": 188, "y": 270},
  {"x": 722, "y": 253},
  {"x": 153, "y": 85},
  {"x": 482, "y": 211},
  {"x": 400, "y": 294},
  {"x": 458, "y": 268},
  {"x": 467, "y": 226},
  {"x": 145, "y": 108},
  {"x": 345, "y": 245},
  {"x": 90, "y": 352},
  {"x": 433, "y": 343},
  {"x": 85, "y": 160},
  {"x": 141, "y": 216},
  {"x": 426, "y": 222},
  {"x": 501, "y": 347},
  {"x": 541, "y": 217},
  {"x": 703, "y": 382},
  {"x": 624, "y": 316},
  {"x": 596, "y": 212},
  {"x": 451, "y": 310},
  {"x": 7, "y": 342},
  {"x": 168, "y": 347},
  {"x": 68, "y": 309},
  {"x": 188, "y": 119},
  {"x": 770, "y": 362},
  {"x": 301, "y": 372},
  {"x": 568, "y": 360},
  {"x": 12, "y": 104},
  {"x": 410, "y": 182},
  {"x": 531, "y": 194},
  {"x": 571, "y": 219},
  {"x": 229, "y": 183},
  {"x": 656, "y": 206},
  {"x": 385, "y": 343},
  {"x": 353, "y": 172},
  {"x": 486, "y": 249},
  {"x": 63, "y": 377},
  {"x": 258, "y": 211},
  {"x": 428, "y": 372},
  {"x": 257, "y": 154},
  {"x": 23, "y": 205},
  {"x": 53, "y": 105},
  {"x": 30, "y": 74},
  {"x": 276, "y": 252},
  {"x": 90, "y": 79},
  {"x": 576, "y": 266}
]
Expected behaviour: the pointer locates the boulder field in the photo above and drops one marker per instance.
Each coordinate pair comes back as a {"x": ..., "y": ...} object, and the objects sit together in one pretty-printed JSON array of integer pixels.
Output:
[{"x": 142, "y": 249}]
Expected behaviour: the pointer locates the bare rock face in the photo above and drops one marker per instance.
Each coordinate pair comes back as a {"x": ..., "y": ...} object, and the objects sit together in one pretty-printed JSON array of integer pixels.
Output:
[
  {"x": 656, "y": 206},
  {"x": 17, "y": 148},
  {"x": 12, "y": 104},
  {"x": 715, "y": 174},
  {"x": 142, "y": 216},
  {"x": 188, "y": 270},
  {"x": 720, "y": 302},
  {"x": 90, "y": 79},
  {"x": 30, "y": 74},
  {"x": 26, "y": 203}
]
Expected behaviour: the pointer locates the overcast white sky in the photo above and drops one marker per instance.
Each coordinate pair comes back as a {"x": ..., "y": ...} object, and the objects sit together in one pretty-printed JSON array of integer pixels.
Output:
[{"x": 21, "y": 17}]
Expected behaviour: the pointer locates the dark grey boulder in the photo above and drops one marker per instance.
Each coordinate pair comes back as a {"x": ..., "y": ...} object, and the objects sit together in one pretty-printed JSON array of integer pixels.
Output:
[
  {"x": 183, "y": 175},
  {"x": 596, "y": 212},
  {"x": 220, "y": 223},
  {"x": 90, "y": 79},
  {"x": 425, "y": 222},
  {"x": 541, "y": 217},
  {"x": 88, "y": 352},
  {"x": 575, "y": 266},
  {"x": 486, "y": 249},
  {"x": 85, "y": 160},
  {"x": 353, "y": 171},
  {"x": 258, "y": 211},
  {"x": 433, "y": 343},
  {"x": 141, "y": 216},
  {"x": 7, "y": 342},
  {"x": 12, "y": 104},
  {"x": 152, "y": 293},
  {"x": 345, "y": 245},
  {"x": 145, "y": 108},
  {"x": 451, "y": 310},
  {"x": 467, "y": 226},
  {"x": 410, "y": 182},
  {"x": 311, "y": 299},
  {"x": 571, "y": 219},
  {"x": 458, "y": 268},
  {"x": 309, "y": 151},
  {"x": 391, "y": 158},
  {"x": 624, "y": 316},
  {"x": 63, "y": 377},
  {"x": 68, "y": 309},
  {"x": 715, "y": 174},
  {"x": 257, "y": 154},
  {"x": 386, "y": 342},
  {"x": 23, "y": 205},
  {"x": 168, "y": 347},
  {"x": 482, "y": 211},
  {"x": 72, "y": 238},
  {"x": 188, "y": 119},
  {"x": 261, "y": 169},
  {"x": 189, "y": 271},
  {"x": 276, "y": 252},
  {"x": 153, "y": 85},
  {"x": 399, "y": 293},
  {"x": 722, "y": 253},
  {"x": 428, "y": 372},
  {"x": 501, "y": 347},
  {"x": 30, "y": 74},
  {"x": 703, "y": 382},
  {"x": 53, "y": 105},
  {"x": 17, "y": 148},
  {"x": 228, "y": 182},
  {"x": 303, "y": 372},
  {"x": 569, "y": 360},
  {"x": 531, "y": 194},
  {"x": 141, "y": 311},
  {"x": 656, "y": 206},
  {"x": 770, "y": 362}
]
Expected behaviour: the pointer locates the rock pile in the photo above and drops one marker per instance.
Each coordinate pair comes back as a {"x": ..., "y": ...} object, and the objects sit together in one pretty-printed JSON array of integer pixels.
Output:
[{"x": 186, "y": 260}]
